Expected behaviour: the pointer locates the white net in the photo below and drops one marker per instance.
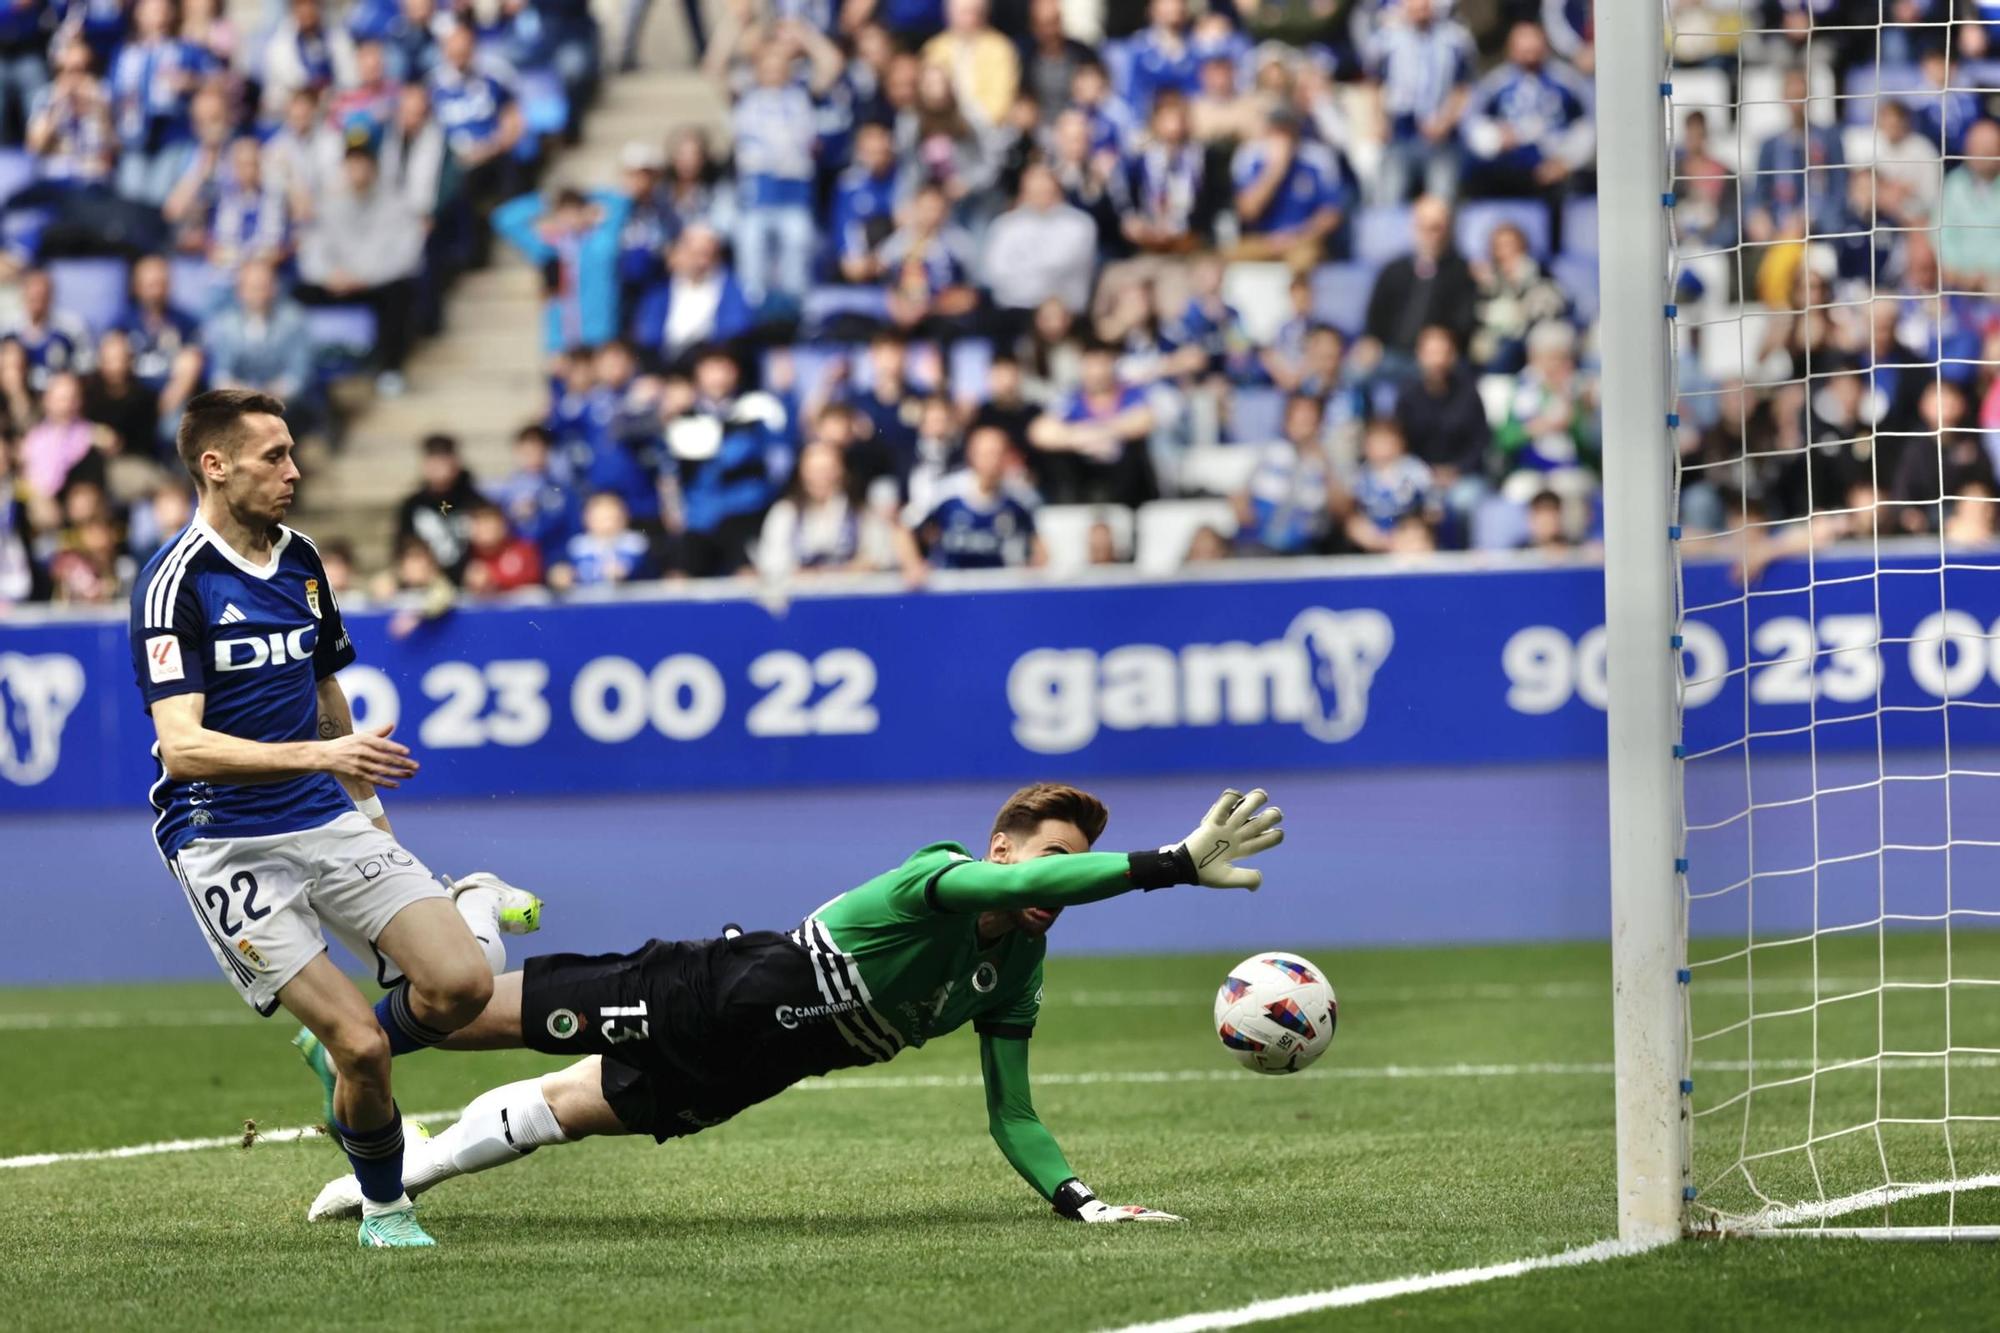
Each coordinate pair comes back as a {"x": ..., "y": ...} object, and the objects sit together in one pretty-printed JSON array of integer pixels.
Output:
[{"x": 1836, "y": 235}]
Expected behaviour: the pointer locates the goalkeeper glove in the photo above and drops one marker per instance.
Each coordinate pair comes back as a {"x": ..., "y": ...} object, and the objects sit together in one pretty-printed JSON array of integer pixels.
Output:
[
  {"x": 1074, "y": 1201},
  {"x": 1234, "y": 828}
]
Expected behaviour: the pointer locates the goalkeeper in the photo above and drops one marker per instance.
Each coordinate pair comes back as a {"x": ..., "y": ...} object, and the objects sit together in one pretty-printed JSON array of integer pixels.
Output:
[{"x": 682, "y": 1035}]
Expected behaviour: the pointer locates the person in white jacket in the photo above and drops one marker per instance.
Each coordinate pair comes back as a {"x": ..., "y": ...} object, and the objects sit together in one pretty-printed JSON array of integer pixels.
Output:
[{"x": 1040, "y": 248}]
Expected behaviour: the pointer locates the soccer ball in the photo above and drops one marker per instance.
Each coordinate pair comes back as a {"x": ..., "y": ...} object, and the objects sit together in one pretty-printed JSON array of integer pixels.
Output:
[{"x": 1275, "y": 1013}]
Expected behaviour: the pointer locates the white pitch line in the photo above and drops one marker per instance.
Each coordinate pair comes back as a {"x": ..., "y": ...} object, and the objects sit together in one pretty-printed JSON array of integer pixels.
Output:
[
  {"x": 1882, "y": 1196},
  {"x": 185, "y": 1018},
  {"x": 295, "y": 1134},
  {"x": 1363, "y": 1293}
]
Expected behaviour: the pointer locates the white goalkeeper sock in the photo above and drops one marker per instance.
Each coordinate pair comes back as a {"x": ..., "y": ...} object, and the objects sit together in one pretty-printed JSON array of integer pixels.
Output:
[
  {"x": 481, "y": 910},
  {"x": 500, "y": 1126}
]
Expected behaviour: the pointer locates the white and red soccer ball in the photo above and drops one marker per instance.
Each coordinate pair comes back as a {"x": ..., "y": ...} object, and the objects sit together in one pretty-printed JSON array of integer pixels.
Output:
[{"x": 1275, "y": 1013}]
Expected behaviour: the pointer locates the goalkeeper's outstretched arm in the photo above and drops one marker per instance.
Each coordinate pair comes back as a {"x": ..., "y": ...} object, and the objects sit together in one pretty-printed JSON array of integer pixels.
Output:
[
  {"x": 1236, "y": 827},
  {"x": 1029, "y": 1147}
]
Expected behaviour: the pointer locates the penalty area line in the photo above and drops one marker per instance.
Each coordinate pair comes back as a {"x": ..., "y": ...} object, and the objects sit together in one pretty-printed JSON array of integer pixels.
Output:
[{"x": 1364, "y": 1293}]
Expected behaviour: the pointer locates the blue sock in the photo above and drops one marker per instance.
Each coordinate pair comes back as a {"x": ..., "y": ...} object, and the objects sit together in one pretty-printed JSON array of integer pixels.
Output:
[
  {"x": 377, "y": 1155},
  {"x": 406, "y": 1031}
]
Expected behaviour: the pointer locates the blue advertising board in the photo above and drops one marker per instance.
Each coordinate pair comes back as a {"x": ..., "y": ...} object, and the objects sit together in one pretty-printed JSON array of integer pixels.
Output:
[{"x": 1295, "y": 666}]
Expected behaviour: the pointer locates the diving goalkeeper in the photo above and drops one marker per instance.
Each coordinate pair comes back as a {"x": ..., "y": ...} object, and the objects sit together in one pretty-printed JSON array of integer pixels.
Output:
[{"x": 682, "y": 1035}]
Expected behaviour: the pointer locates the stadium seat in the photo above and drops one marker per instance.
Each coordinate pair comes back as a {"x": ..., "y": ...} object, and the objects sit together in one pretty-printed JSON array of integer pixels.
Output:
[
  {"x": 1478, "y": 220},
  {"x": 1065, "y": 532},
  {"x": 1217, "y": 469},
  {"x": 1340, "y": 295},
  {"x": 971, "y": 359},
  {"x": 1381, "y": 234},
  {"x": 1577, "y": 276},
  {"x": 1865, "y": 80},
  {"x": 17, "y": 172},
  {"x": 195, "y": 286},
  {"x": 1261, "y": 294},
  {"x": 1496, "y": 395},
  {"x": 823, "y": 304},
  {"x": 342, "y": 336},
  {"x": 1256, "y": 416},
  {"x": 1706, "y": 91},
  {"x": 91, "y": 289},
  {"x": 813, "y": 365},
  {"x": 1580, "y": 226},
  {"x": 1499, "y": 524},
  {"x": 1166, "y": 527}
]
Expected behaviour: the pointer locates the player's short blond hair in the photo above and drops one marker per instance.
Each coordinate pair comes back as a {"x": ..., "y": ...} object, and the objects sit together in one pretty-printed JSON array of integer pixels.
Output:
[{"x": 1025, "y": 810}]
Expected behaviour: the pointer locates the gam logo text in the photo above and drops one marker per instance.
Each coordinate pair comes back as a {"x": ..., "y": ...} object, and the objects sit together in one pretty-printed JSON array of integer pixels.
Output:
[
  {"x": 1318, "y": 675},
  {"x": 273, "y": 649}
]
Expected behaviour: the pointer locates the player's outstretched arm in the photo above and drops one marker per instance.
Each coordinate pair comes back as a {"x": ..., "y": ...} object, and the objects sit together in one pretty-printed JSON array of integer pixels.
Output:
[
  {"x": 192, "y": 752},
  {"x": 1029, "y": 1147},
  {"x": 1236, "y": 828}
]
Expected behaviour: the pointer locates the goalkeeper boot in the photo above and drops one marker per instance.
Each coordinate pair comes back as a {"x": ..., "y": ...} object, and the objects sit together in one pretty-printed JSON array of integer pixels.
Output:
[
  {"x": 397, "y": 1229},
  {"x": 316, "y": 1060},
  {"x": 520, "y": 911}
]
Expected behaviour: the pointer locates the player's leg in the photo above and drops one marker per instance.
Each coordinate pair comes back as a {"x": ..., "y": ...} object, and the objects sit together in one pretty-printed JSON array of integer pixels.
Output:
[
  {"x": 364, "y": 1117},
  {"x": 498, "y": 1027}
]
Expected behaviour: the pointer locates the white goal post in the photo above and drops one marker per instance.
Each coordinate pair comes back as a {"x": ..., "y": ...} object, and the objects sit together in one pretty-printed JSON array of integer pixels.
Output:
[{"x": 1804, "y": 767}]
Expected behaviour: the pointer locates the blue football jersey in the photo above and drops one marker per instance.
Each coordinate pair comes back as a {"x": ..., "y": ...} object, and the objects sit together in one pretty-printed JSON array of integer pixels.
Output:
[{"x": 256, "y": 642}]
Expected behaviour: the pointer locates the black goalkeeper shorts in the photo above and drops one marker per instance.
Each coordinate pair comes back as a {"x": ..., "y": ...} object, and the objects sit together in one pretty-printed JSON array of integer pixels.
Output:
[{"x": 688, "y": 1029}]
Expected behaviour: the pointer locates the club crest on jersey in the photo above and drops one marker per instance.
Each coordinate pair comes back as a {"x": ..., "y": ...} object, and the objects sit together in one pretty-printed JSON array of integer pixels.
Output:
[
  {"x": 312, "y": 595},
  {"x": 985, "y": 977},
  {"x": 251, "y": 956},
  {"x": 563, "y": 1024}
]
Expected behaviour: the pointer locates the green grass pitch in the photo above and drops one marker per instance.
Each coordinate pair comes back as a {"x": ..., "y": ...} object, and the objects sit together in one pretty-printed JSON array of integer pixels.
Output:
[{"x": 1463, "y": 1117}]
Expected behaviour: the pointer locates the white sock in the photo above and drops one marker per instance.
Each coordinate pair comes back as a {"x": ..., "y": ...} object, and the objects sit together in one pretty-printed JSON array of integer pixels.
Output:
[
  {"x": 370, "y": 1208},
  {"x": 500, "y": 1126},
  {"x": 481, "y": 910}
]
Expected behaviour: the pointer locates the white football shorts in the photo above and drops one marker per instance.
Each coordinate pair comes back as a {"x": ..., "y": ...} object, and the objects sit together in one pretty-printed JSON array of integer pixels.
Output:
[{"x": 266, "y": 905}]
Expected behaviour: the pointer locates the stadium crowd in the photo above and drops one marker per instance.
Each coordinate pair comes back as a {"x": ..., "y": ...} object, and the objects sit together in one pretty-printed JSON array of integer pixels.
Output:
[{"x": 1287, "y": 278}]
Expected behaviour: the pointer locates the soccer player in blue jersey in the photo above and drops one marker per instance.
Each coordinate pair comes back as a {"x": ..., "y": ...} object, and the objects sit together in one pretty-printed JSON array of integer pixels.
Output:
[{"x": 267, "y": 812}]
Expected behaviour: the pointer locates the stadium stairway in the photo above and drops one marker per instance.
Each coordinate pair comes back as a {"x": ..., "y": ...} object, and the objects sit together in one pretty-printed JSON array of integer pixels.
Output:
[{"x": 482, "y": 378}]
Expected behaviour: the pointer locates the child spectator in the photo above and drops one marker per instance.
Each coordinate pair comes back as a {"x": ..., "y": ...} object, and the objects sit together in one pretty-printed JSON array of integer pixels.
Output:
[
  {"x": 439, "y": 511},
  {"x": 979, "y": 522},
  {"x": 1547, "y": 530},
  {"x": 607, "y": 552},
  {"x": 1286, "y": 507},
  {"x": 498, "y": 561},
  {"x": 1388, "y": 488},
  {"x": 533, "y": 496}
]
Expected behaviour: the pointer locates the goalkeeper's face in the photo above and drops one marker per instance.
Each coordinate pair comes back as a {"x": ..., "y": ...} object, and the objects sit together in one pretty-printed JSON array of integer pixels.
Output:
[{"x": 1052, "y": 837}]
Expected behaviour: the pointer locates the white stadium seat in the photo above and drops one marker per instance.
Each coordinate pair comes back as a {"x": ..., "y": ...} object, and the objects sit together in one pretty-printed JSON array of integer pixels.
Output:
[{"x": 1166, "y": 527}]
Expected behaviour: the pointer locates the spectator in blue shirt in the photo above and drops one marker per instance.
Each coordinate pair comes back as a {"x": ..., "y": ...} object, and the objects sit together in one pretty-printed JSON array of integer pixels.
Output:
[
  {"x": 1092, "y": 441},
  {"x": 730, "y": 454},
  {"x": 575, "y": 243},
  {"x": 864, "y": 204},
  {"x": 978, "y": 521},
  {"x": 1162, "y": 57},
  {"x": 1528, "y": 127},
  {"x": 700, "y": 301},
  {"x": 481, "y": 115},
  {"x": 55, "y": 341},
  {"x": 607, "y": 552},
  {"x": 926, "y": 265},
  {"x": 1285, "y": 508},
  {"x": 1794, "y": 193},
  {"x": 165, "y": 341},
  {"x": 69, "y": 122},
  {"x": 249, "y": 218},
  {"x": 1423, "y": 71},
  {"x": 1162, "y": 195},
  {"x": 776, "y": 160},
  {"x": 150, "y": 83},
  {"x": 1289, "y": 194},
  {"x": 649, "y": 228},
  {"x": 538, "y": 506},
  {"x": 410, "y": 40},
  {"x": 1389, "y": 487},
  {"x": 24, "y": 39}
]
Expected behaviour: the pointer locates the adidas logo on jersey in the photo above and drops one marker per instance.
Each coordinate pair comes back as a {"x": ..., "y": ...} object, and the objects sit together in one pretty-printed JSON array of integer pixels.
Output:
[{"x": 230, "y": 615}]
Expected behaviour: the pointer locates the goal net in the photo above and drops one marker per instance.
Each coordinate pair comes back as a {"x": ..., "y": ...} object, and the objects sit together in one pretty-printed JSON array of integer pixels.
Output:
[{"x": 1834, "y": 236}]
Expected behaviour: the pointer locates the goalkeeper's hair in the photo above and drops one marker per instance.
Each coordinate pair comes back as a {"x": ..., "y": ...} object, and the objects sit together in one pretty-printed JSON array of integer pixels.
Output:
[
  {"x": 214, "y": 420},
  {"x": 1027, "y": 808}
]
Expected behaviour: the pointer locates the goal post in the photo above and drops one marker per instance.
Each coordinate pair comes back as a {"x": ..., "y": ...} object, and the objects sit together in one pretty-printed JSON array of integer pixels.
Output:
[
  {"x": 1799, "y": 340},
  {"x": 1640, "y": 617}
]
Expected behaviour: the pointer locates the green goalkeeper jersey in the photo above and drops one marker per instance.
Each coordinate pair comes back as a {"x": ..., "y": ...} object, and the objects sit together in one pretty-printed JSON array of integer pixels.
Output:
[{"x": 898, "y": 961}]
